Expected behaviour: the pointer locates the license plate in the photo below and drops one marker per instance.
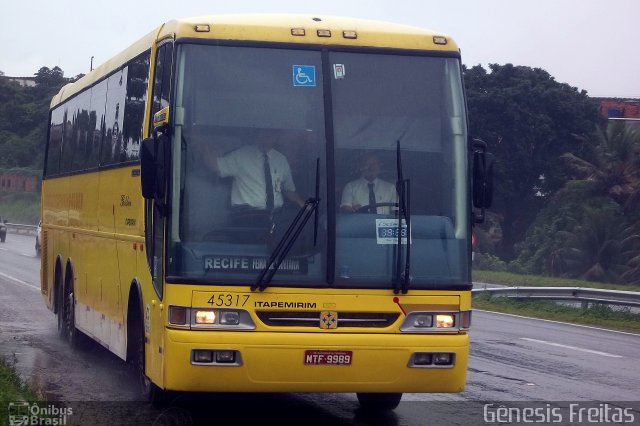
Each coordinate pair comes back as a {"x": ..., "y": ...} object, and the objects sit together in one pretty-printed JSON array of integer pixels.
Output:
[{"x": 320, "y": 357}]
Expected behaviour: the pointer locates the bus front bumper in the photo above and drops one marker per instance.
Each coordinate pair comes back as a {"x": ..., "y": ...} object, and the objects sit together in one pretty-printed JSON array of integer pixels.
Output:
[{"x": 283, "y": 362}]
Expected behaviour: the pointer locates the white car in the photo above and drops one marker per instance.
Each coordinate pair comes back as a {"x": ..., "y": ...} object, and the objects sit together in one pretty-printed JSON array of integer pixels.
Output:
[{"x": 38, "y": 232}]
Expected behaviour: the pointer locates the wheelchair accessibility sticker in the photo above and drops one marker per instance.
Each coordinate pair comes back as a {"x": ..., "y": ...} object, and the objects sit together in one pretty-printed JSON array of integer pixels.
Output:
[{"x": 304, "y": 75}]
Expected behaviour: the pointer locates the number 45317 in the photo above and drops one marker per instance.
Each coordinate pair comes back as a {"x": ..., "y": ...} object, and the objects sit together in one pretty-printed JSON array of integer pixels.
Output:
[{"x": 228, "y": 299}]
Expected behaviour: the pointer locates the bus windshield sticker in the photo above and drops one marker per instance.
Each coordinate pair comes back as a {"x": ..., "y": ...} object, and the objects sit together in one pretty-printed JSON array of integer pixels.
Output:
[
  {"x": 338, "y": 71},
  {"x": 244, "y": 264},
  {"x": 304, "y": 75},
  {"x": 387, "y": 231}
]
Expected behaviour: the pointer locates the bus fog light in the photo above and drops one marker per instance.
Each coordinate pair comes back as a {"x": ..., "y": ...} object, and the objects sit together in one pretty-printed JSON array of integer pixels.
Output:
[
  {"x": 229, "y": 318},
  {"x": 443, "y": 359},
  {"x": 177, "y": 315},
  {"x": 202, "y": 355},
  {"x": 422, "y": 358},
  {"x": 423, "y": 321},
  {"x": 444, "y": 321},
  {"x": 226, "y": 357},
  {"x": 205, "y": 317}
]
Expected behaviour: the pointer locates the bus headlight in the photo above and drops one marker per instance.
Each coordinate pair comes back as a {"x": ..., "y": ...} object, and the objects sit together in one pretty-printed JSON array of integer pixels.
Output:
[
  {"x": 445, "y": 321},
  {"x": 423, "y": 321},
  {"x": 229, "y": 318},
  {"x": 205, "y": 317},
  {"x": 208, "y": 318},
  {"x": 429, "y": 322}
]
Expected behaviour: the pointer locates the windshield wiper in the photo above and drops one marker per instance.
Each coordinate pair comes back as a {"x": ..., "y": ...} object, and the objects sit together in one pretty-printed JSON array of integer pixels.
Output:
[
  {"x": 402, "y": 279},
  {"x": 290, "y": 237}
]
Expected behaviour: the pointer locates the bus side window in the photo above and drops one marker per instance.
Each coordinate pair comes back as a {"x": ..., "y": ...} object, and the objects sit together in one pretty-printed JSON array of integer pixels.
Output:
[
  {"x": 137, "y": 79},
  {"x": 114, "y": 117},
  {"x": 162, "y": 78},
  {"x": 55, "y": 141}
]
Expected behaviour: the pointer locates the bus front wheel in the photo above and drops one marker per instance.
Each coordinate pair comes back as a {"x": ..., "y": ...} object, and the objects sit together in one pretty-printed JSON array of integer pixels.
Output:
[
  {"x": 148, "y": 390},
  {"x": 379, "y": 401}
]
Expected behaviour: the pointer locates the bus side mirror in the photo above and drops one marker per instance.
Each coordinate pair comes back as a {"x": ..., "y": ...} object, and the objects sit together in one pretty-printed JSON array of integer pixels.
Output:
[
  {"x": 153, "y": 166},
  {"x": 148, "y": 168},
  {"x": 482, "y": 179}
]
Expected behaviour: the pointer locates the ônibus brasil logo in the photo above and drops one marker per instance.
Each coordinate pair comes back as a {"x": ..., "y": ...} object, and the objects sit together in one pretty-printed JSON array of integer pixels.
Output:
[{"x": 31, "y": 414}]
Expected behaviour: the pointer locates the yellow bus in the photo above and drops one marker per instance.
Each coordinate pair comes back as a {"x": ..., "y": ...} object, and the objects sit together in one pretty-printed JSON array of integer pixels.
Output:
[{"x": 265, "y": 203}]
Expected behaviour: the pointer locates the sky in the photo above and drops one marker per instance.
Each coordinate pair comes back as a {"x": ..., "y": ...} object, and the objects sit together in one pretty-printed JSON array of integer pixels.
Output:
[{"x": 593, "y": 45}]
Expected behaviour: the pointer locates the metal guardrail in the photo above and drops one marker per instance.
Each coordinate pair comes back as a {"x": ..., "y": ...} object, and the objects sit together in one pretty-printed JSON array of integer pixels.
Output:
[
  {"x": 575, "y": 294},
  {"x": 18, "y": 228}
]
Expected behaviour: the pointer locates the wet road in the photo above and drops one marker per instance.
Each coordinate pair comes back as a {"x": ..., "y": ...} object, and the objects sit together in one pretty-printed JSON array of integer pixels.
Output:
[{"x": 512, "y": 359}]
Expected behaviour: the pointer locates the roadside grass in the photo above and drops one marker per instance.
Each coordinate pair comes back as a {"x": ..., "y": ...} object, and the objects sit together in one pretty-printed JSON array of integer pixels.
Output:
[
  {"x": 20, "y": 207},
  {"x": 12, "y": 389},
  {"x": 595, "y": 315},
  {"x": 510, "y": 279}
]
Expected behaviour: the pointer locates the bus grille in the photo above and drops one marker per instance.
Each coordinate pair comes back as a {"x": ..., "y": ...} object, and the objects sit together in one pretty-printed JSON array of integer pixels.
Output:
[{"x": 312, "y": 319}]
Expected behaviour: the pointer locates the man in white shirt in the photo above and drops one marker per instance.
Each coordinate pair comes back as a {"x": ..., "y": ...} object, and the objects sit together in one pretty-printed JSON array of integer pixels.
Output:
[
  {"x": 261, "y": 176},
  {"x": 364, "y": 193}
]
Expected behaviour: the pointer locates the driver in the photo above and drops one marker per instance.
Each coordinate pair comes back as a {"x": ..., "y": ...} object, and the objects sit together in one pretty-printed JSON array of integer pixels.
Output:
[{"x": 368, "y": 192}]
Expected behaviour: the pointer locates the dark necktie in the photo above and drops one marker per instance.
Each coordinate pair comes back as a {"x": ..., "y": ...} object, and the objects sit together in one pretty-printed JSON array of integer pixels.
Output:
[
  {"x": 372, "y": 199},
  {"x": 268, "y": 182}
]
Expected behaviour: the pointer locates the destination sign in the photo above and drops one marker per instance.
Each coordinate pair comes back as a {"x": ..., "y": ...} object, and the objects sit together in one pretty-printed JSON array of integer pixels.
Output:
[
  {"x": 245, "y": 264},
  {"x": 387, "y": 231}
]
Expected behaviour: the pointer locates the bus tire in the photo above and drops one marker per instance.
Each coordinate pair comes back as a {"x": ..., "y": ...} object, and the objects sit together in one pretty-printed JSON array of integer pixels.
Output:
[
  {"x": 73, "y": 335},
  {"x": 59, "y": 302},
  {"x": 136, "y": 356},
  {"x": 379, "y": 401}
]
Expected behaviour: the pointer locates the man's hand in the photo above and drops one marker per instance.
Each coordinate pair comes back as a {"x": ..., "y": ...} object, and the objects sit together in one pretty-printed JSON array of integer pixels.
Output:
[
  {"x": 210, "y": 157},
  {"x": 350, "y": 209},
  {"x": 294, "y": 197}
]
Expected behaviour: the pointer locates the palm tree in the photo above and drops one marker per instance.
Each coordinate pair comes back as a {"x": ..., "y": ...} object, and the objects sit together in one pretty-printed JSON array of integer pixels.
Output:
[
  {"x": 602, "y": 239},
  {"x": 615, "y": 169},
  {"x": 596, "y": 245}
]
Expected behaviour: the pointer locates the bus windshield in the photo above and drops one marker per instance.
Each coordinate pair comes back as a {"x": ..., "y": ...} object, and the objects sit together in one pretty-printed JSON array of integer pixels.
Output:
[{"x": 252, "y": 123}]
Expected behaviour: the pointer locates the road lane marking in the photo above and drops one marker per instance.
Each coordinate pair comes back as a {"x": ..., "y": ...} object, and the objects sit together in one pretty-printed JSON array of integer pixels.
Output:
[
  {"x": 608, "y": 330},
  {"x": 18, "y": 281},
  {"x": 559, "y": 345}
]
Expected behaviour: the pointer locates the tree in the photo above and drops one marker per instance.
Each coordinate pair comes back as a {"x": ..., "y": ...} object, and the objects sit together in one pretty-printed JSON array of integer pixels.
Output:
[
  {"x": 590, "y": 229},
  {"x": 593, "y": 248},
  {"x": 613, "y": 168},
  {"x": 23, "y": 118},
  {"x": 50, "y": 78},
  {"x": 528, "y": 120}
]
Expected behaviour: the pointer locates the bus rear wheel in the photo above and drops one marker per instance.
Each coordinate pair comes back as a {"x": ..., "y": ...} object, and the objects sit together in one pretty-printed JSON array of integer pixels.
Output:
[
  {"x": 59, "y": 301},
  {"x": 72, "y": 334},
  {"x": 379, "y": 401}
]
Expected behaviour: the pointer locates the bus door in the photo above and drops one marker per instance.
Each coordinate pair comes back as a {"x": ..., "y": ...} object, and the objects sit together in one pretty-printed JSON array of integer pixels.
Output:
[{"x": 154, "y": 310}]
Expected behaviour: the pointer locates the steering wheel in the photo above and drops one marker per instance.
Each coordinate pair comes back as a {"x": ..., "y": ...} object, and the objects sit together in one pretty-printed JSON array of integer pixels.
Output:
[{"x": 365, "y": 209}]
